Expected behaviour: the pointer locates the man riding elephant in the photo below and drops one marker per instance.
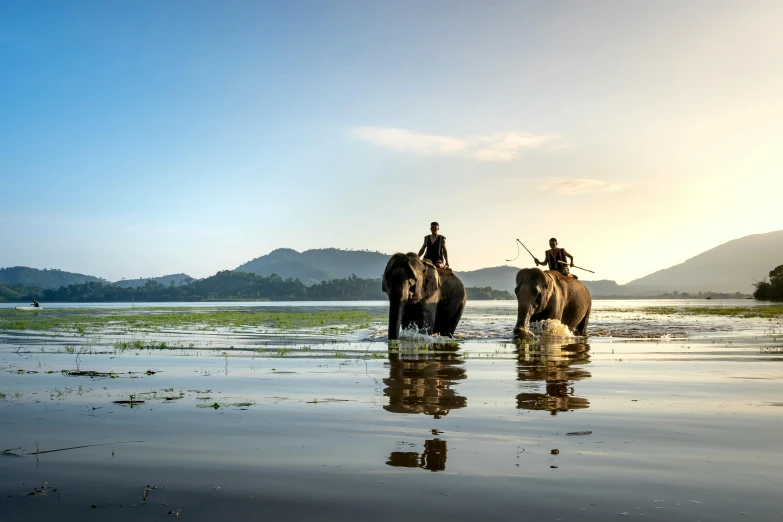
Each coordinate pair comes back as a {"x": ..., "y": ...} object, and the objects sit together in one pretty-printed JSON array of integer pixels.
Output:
[
  {"x": 434, "y": 247},
  {"x": 556, "y": 259},
  {"x": 551, "y": 295},
  {"x": 432, "y": 299}
]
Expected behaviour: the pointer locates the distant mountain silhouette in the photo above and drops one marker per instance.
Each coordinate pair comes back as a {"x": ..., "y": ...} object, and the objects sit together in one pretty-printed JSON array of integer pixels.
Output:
[
  {"x": 179, "y": 280},
  {"x": 504, "y": 278},
  {"x": 730, "y": 267},
  {"x": 497, "y": 277},
  {"x": 314, "y": 266},
  {"x": 47, "y": 278}
]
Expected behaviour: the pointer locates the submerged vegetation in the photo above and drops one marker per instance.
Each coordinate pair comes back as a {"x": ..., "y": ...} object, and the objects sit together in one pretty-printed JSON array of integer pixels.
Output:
[
  {"x": 156, "y": 319},
  {"x": 735, "y": 311}
]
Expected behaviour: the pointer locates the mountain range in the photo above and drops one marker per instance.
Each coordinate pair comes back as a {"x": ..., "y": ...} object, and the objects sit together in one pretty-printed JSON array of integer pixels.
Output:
[
  {"x": 46, "y": 278},
  {"x": 314, "y": 266},
  {"x": 731, "y": 267},
  {"x": 178, "y": 279}
]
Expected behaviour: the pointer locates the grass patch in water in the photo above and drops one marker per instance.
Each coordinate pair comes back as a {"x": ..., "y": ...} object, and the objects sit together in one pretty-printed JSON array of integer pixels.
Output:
[
  {"x": 82, "y": 321},
  {"x": 766, "y": 312}
]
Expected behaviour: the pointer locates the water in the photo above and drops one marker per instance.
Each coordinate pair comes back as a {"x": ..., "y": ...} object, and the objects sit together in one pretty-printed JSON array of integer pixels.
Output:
[{"x": 669, "y": 417}]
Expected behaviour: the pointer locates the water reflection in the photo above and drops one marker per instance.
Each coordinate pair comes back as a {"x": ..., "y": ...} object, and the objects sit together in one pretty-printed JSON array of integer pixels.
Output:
[
  {"x": 558, "y": 366},
  {"x": 432, "y": 458},
  {"x": 423, "y": 382}
]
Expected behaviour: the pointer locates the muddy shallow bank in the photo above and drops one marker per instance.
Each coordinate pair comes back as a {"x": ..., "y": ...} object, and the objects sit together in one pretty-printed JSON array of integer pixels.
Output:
[{"x": 676, "y": 420}]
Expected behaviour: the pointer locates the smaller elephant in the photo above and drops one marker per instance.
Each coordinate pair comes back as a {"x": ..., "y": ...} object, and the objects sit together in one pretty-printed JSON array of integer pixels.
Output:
[
  {"x": 421, "y": 294},
  {"x": 551, "y": 295}
]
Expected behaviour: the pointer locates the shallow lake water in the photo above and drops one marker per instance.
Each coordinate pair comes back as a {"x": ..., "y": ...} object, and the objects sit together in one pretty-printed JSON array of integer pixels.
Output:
[{"x": 663, "y": 416}]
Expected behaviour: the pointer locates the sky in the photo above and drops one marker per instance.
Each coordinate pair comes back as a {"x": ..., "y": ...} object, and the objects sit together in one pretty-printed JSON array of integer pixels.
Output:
[{"x": 146, "y": 138}]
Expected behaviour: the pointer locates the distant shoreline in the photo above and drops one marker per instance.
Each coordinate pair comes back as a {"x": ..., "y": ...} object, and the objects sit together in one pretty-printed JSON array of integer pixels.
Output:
[{"x": 267, "y": 300}]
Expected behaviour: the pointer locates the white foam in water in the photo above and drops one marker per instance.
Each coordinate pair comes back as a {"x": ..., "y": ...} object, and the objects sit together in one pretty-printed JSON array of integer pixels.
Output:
[
  {"x": 551, "y": 327},
  {"x": 413, "y": 334}
]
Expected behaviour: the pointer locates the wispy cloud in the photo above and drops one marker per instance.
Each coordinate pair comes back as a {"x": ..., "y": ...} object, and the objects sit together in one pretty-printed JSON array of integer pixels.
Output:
[
  {"x": 493, "y": 147},
  {"x": 573, "y": 187}
]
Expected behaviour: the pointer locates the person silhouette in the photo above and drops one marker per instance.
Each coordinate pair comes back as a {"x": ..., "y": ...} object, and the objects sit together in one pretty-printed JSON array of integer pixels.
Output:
[
  {"x": 556, "y": 259},
  {"x": 434, "y": 247}
]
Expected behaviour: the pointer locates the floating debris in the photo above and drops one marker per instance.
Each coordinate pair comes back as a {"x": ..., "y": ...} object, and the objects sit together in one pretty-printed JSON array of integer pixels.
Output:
[
  {"x": 130, "y": 402},
  {"x": 38, "y": 492},
  {"x": 88, "y": 373}
]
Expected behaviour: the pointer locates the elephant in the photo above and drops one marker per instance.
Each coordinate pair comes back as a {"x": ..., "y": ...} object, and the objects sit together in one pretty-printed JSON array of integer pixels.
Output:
[
  {"x": 421, "y": 294},
  {"x": 551, "y": 295}
]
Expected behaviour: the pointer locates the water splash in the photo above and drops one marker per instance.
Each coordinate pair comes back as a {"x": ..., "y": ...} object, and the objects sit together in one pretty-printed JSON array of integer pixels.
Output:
[
  {"x": 412, "y": 334},
  {"x": 547, "y": 328},
  {"x": 552, "y": 328}
]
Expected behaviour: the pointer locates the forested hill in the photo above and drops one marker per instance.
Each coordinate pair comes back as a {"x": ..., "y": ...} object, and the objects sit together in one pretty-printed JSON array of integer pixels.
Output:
[
  {"x": 47, "y": 278},
  {"x": 176, "y": 279},
  {"x": 17, "y": 293},
  {"x": 314, "y": 266},
  {"x": 233, "y": 285},
  {"x": 504, "y": 278}
]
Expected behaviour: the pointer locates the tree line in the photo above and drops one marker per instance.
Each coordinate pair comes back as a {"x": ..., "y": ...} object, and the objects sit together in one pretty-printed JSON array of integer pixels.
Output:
[
  {"x": 773, "y": 289},
  {"x": 227, "y": 285}
]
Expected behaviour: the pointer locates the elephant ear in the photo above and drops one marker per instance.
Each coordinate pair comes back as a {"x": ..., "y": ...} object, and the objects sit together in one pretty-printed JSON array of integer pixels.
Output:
[
  {"x": 396, "y": 261},
  {"x": 549, "y": 286},
  {"x": 430, "y": 282},
  {"x": 389, "y": 267}
]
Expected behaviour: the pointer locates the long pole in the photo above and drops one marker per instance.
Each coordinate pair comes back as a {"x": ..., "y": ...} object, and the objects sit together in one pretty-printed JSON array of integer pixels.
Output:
[
  {"x": 528, "y": 251},
  {"x": 579, "y": 267}
]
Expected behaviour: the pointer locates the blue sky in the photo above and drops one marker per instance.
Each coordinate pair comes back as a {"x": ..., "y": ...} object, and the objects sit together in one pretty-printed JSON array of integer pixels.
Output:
[{"x": 144, "y": 138}]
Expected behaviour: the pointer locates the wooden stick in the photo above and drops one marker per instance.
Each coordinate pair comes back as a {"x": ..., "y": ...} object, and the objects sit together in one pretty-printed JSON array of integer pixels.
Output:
[
  {"x": 574, "y": 266},
  {"x": 528, "y": 251}
]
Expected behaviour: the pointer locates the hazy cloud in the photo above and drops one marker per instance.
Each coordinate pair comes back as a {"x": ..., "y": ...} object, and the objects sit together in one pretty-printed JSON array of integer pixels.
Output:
[
  {"x": 492, "y": 147},
  {"x": 402, "y": 140},
  {"x": 572, "y": 187}
]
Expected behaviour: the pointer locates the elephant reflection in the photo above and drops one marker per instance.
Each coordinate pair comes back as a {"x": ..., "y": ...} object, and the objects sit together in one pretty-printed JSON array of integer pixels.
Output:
[
  {"x": 432, "y": 458},
  {"x": 422, "y": 383},
  {"x": 551, "y": 363}
]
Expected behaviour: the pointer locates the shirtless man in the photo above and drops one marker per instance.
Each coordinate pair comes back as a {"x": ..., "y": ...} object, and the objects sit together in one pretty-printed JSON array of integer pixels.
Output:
[
  {"x": 556, "y": 259},
  {"x": 434, "y": 247}
]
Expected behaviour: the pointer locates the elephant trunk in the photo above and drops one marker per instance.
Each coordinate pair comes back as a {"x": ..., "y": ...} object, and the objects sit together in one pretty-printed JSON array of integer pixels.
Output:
[
  {"x": 396, "y": 305},
  {"x": 524, "y": 313}
]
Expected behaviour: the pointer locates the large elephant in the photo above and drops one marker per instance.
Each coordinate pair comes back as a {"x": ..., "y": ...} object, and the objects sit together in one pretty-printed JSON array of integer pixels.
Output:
[
  {"x": 430, "y": 298},
  {"x": 551, "y": 295}
]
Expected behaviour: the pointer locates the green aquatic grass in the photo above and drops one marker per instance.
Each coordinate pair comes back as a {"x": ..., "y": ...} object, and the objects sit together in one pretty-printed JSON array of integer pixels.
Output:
[
  {"x": 83, "y": 321},
  {"x": 766, "y": 312}
]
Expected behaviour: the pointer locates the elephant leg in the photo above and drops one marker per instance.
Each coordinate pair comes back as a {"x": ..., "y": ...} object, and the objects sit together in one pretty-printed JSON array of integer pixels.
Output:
[
  {"x": 429, "y": 318},
  {"x": 581, "y": 328},
  {"x": 447, "y": 323}
]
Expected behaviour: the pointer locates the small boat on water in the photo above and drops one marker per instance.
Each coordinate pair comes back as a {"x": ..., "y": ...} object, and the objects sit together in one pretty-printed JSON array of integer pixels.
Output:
[{"x": 29, "y": 308}]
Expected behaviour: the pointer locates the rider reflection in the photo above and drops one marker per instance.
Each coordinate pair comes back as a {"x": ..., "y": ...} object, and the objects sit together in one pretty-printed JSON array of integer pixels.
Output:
[
  {"x": 551, "y": 363},
  {"x": 432, "y": 458},
  {"x": 422, "y": 382}
]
